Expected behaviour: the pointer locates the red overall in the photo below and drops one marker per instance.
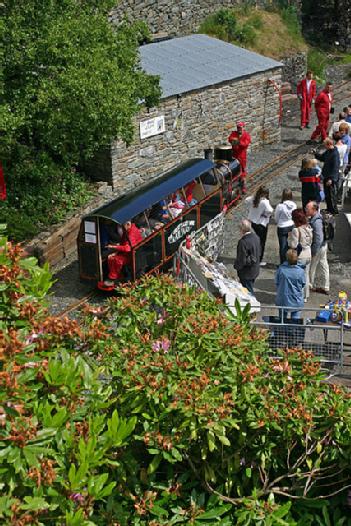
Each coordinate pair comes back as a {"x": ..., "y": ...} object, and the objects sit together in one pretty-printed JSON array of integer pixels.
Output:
[
  {"x": 322, "y": 105},
  {"x": 240, "y": 149},
  {"x": 122, "y": 257},
  {"x": 306, "y": 98}
]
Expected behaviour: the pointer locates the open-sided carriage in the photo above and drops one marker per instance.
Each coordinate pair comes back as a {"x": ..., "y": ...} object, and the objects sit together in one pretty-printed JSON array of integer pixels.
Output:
[{"x": 203, "y": 186}]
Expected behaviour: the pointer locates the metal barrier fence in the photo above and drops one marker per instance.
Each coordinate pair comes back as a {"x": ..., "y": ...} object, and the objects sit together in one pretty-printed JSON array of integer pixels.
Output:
[
  {"x": 325, "y": 340},
  {"x": 301, "y": 329},
  {"x": 331, "y": 342}
]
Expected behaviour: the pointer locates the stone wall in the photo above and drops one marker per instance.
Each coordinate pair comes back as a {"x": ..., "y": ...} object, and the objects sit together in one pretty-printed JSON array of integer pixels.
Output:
[
  {"x": 59, "y": 245},
  {"x": 176, "y": 18},
  {"x": 194, "y": 122},
  {"x": 295, "y": 67},
  {"x": 168, "y": 17}
]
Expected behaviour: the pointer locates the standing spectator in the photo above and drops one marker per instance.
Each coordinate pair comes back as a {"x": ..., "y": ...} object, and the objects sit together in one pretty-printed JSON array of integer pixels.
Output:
[
  {"x": 247, "y": 263},
  {"x": 306, "y": 92},
  {"x": 323, "y": 107},
  {"x": 240, "y": 141},
  {"x": 342, "y": 150},
  {"x": 290, "y": 282},
  {"x": 330, "y": 174},
  {"x": 300, "y": 239},
  {"x": 260, "y": 210},
  {"x": 309, "y": 176},
  {"x": 346, "y": 139},
  {"x": 319, "y": 249},
  {"x": 335, "y": 127},
  {"x": 282, "y": 216}
]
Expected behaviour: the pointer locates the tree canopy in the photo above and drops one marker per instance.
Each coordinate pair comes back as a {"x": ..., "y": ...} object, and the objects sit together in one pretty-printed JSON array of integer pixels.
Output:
[{"x": 70, "y": 83}]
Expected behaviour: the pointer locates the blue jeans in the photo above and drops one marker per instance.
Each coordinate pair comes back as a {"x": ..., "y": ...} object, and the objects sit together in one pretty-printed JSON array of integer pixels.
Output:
[
  {"x": 248, "y": 284},
  {"x": 283, "y": 241}
]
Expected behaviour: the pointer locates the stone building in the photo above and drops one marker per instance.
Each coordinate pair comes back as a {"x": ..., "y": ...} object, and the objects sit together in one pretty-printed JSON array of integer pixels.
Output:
[{"x": 207, "y": 85}]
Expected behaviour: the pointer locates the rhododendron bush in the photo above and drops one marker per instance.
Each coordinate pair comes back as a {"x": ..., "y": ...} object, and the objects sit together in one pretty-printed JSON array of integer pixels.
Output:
[{"x": 158, "y": 408}]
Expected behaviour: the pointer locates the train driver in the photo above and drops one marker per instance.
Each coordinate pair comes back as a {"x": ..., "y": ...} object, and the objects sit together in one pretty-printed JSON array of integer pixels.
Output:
[{"x": 122, "y": 257}]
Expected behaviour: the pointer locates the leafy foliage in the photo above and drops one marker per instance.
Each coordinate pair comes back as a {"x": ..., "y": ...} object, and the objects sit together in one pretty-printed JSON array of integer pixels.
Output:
[
  {"x": 70, "y": 83},
  {"x": 156, "y": 409},
  {"x": 224, "y": 25}
]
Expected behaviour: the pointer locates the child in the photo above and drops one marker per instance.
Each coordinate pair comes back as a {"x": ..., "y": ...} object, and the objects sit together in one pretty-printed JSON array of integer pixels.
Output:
[{"x": 310, "y": 178}]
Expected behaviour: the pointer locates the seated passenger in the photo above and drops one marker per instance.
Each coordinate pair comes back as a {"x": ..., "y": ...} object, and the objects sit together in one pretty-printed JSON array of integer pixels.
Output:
[
  {"x": 176, "y": 205},
  {"x": 160, "y": 211},
  {"x": 142, "y": 222},
  {"x": 116, "y": 261},
  {"x": 189, "y": 193},
  {"x": 110, "y": 232}
]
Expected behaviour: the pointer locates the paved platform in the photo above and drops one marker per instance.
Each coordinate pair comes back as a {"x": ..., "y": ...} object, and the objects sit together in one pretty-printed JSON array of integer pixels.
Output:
[{"x": 339, "y": 258}]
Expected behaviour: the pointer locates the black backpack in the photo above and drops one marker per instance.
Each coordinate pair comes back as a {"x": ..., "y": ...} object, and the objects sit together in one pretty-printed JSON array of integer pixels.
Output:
[{"x": 328, "y": 225}]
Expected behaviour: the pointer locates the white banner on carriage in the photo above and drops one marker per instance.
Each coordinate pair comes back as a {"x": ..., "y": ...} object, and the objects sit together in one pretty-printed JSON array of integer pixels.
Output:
[{"x": 153, "y": 126}]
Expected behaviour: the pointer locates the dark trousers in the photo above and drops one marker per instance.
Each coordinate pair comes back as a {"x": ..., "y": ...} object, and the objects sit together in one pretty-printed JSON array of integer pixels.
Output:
[
  {"x": 248, "y": 283},
  {"x": 331, "y": 198},
  {"x": 261, "y": 231},
  {"x": 283, "y": 241}
]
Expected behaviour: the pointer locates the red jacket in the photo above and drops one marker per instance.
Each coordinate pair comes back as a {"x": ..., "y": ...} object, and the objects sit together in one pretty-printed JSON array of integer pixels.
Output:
[
  {"x": 244, "y": 142},
  {"x": 130, "y": 239},
  {"x": 302, "y": 90},
  {"x": 323, "y": 104}
]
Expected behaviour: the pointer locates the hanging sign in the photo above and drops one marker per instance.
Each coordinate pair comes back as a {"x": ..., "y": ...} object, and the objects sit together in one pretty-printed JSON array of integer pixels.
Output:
[{"x": 152, "y": 127}]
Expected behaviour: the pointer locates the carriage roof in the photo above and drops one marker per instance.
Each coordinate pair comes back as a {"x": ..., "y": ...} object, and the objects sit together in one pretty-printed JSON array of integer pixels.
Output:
[{"x": 129, "y": 206}]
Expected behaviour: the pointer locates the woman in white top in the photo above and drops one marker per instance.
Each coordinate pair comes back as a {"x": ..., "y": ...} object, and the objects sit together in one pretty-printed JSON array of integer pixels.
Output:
[
  {"x": 300, "y": 238},
  {"x": 342, "y": 149},
  {"x": 285, "y": 224},
  {"x": 260, "y": 210}
]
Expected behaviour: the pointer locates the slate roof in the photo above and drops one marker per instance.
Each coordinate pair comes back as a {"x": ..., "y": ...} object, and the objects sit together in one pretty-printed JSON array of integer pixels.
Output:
[{"x": 196, "y": 61}]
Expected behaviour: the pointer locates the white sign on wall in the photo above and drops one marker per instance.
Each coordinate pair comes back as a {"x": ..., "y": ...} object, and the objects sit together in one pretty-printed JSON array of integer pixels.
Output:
[{"x": 152, "y": 127}]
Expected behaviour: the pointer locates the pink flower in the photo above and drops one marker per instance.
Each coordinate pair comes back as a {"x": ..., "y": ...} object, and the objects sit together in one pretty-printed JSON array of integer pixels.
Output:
[
  {"x": 77, "y": 497},
  {"x": 165, "y": 344},
  {"x": 161, "y": 345},
  {"x": 156, "y": 346}
]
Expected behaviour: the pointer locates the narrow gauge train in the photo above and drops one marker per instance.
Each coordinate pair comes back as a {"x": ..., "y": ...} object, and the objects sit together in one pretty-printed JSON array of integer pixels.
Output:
[{"x": 164, "y": 212}]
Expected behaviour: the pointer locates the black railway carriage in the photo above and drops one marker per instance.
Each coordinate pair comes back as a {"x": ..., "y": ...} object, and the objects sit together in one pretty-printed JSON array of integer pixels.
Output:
[{"x": 213, "y": 185}]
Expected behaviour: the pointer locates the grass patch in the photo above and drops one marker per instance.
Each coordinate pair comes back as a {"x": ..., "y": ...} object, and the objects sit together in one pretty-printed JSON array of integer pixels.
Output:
[{"x": 271, "y": 33}]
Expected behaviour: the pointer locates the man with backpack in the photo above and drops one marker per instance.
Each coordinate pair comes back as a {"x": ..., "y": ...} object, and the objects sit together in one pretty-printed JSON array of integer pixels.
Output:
[
  {"x": 319, "y": 248},
  {"x": 330, "y": 174}
]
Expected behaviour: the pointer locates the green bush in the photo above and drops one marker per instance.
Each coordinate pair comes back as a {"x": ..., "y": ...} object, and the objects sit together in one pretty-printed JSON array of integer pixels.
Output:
[
  {"x": 317, "y": 61},
  {"x": 292, "y": 22},
  {"x": 40, "y": 193},
  {"x": 224, "y": 25},
  {"x": 158, "y": 409}
]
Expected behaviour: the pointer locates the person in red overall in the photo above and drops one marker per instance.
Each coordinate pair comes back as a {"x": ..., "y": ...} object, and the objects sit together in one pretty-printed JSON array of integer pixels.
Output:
[
  {"x": 116, "y": 261},
  {"x": 323, "y": 106},
  {"x": 240, "y": 141},
  {"x": 306, "y": 92}
]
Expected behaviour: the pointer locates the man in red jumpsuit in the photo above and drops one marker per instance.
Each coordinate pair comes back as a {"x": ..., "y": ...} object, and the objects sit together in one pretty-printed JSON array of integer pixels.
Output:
[
  {"x": 323, "y": 106},
  {"x": 240, "y": 141},
  {"x": 116, "y": 261},
  {"x": 306, "y": 91}
]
